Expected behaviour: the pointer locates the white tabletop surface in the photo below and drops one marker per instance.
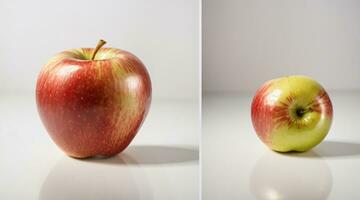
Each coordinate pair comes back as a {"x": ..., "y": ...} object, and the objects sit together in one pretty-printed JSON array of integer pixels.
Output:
[
  {"x": 237, "y": 165},
  {"x": 160, "y": 163}
]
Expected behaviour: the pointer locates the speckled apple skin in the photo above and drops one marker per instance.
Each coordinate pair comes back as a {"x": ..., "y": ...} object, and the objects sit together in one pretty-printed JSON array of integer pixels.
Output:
[{"x": 93, "y": 107}]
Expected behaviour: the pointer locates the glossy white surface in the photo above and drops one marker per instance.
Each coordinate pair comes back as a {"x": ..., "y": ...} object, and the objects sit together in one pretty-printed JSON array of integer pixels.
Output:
[
  {"x": 237, "y": 165},
  {"x": 160, "y": 163}
]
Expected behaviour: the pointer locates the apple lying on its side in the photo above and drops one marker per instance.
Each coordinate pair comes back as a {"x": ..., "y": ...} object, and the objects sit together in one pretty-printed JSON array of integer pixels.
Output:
[
  {"x": 93, "y": 101},
  {"x": 292, "y": 113}
]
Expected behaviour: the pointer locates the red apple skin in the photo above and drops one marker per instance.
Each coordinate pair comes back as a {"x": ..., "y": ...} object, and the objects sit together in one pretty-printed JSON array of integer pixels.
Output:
[{"x": 93, "y": 107}]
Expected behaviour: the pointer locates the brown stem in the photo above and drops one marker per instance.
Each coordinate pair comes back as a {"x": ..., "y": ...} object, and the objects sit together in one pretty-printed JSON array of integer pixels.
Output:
[{"x": 98, "y": 46}]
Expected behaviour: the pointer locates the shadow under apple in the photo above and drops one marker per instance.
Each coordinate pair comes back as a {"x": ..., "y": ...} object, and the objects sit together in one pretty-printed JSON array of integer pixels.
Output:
[
  {"x": 329, "y": 149},
  {"x": 279, "y": 176},
  {"x": 151, "y": 155}
]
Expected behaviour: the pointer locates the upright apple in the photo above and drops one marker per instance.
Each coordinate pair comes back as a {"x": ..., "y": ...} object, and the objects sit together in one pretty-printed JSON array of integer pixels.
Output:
[
  {"x": 292, "y": 113},
  {"x": 92, "y": 102}
]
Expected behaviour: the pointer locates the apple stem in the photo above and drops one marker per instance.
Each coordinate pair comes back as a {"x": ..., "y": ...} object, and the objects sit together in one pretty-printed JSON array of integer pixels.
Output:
[{"x": 98, "y": 46}]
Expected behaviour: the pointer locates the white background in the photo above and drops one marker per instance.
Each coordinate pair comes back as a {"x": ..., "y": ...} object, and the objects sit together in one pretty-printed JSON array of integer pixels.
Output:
[
  {"x": 248, "y": 42},
  {"x": 163, "y": 34}
]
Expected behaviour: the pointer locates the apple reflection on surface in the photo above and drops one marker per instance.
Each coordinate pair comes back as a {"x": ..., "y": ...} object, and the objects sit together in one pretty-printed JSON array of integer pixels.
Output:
[
  {"x": 80, "y": 179},
  {"x": 290, "y": 176},
  {"x": 141, "y": 172}
]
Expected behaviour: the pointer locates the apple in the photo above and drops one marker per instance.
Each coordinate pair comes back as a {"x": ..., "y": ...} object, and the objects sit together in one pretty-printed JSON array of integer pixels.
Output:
[
  {"x": 92, "y": 102},
  {"x": 292, "y": 113}
]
